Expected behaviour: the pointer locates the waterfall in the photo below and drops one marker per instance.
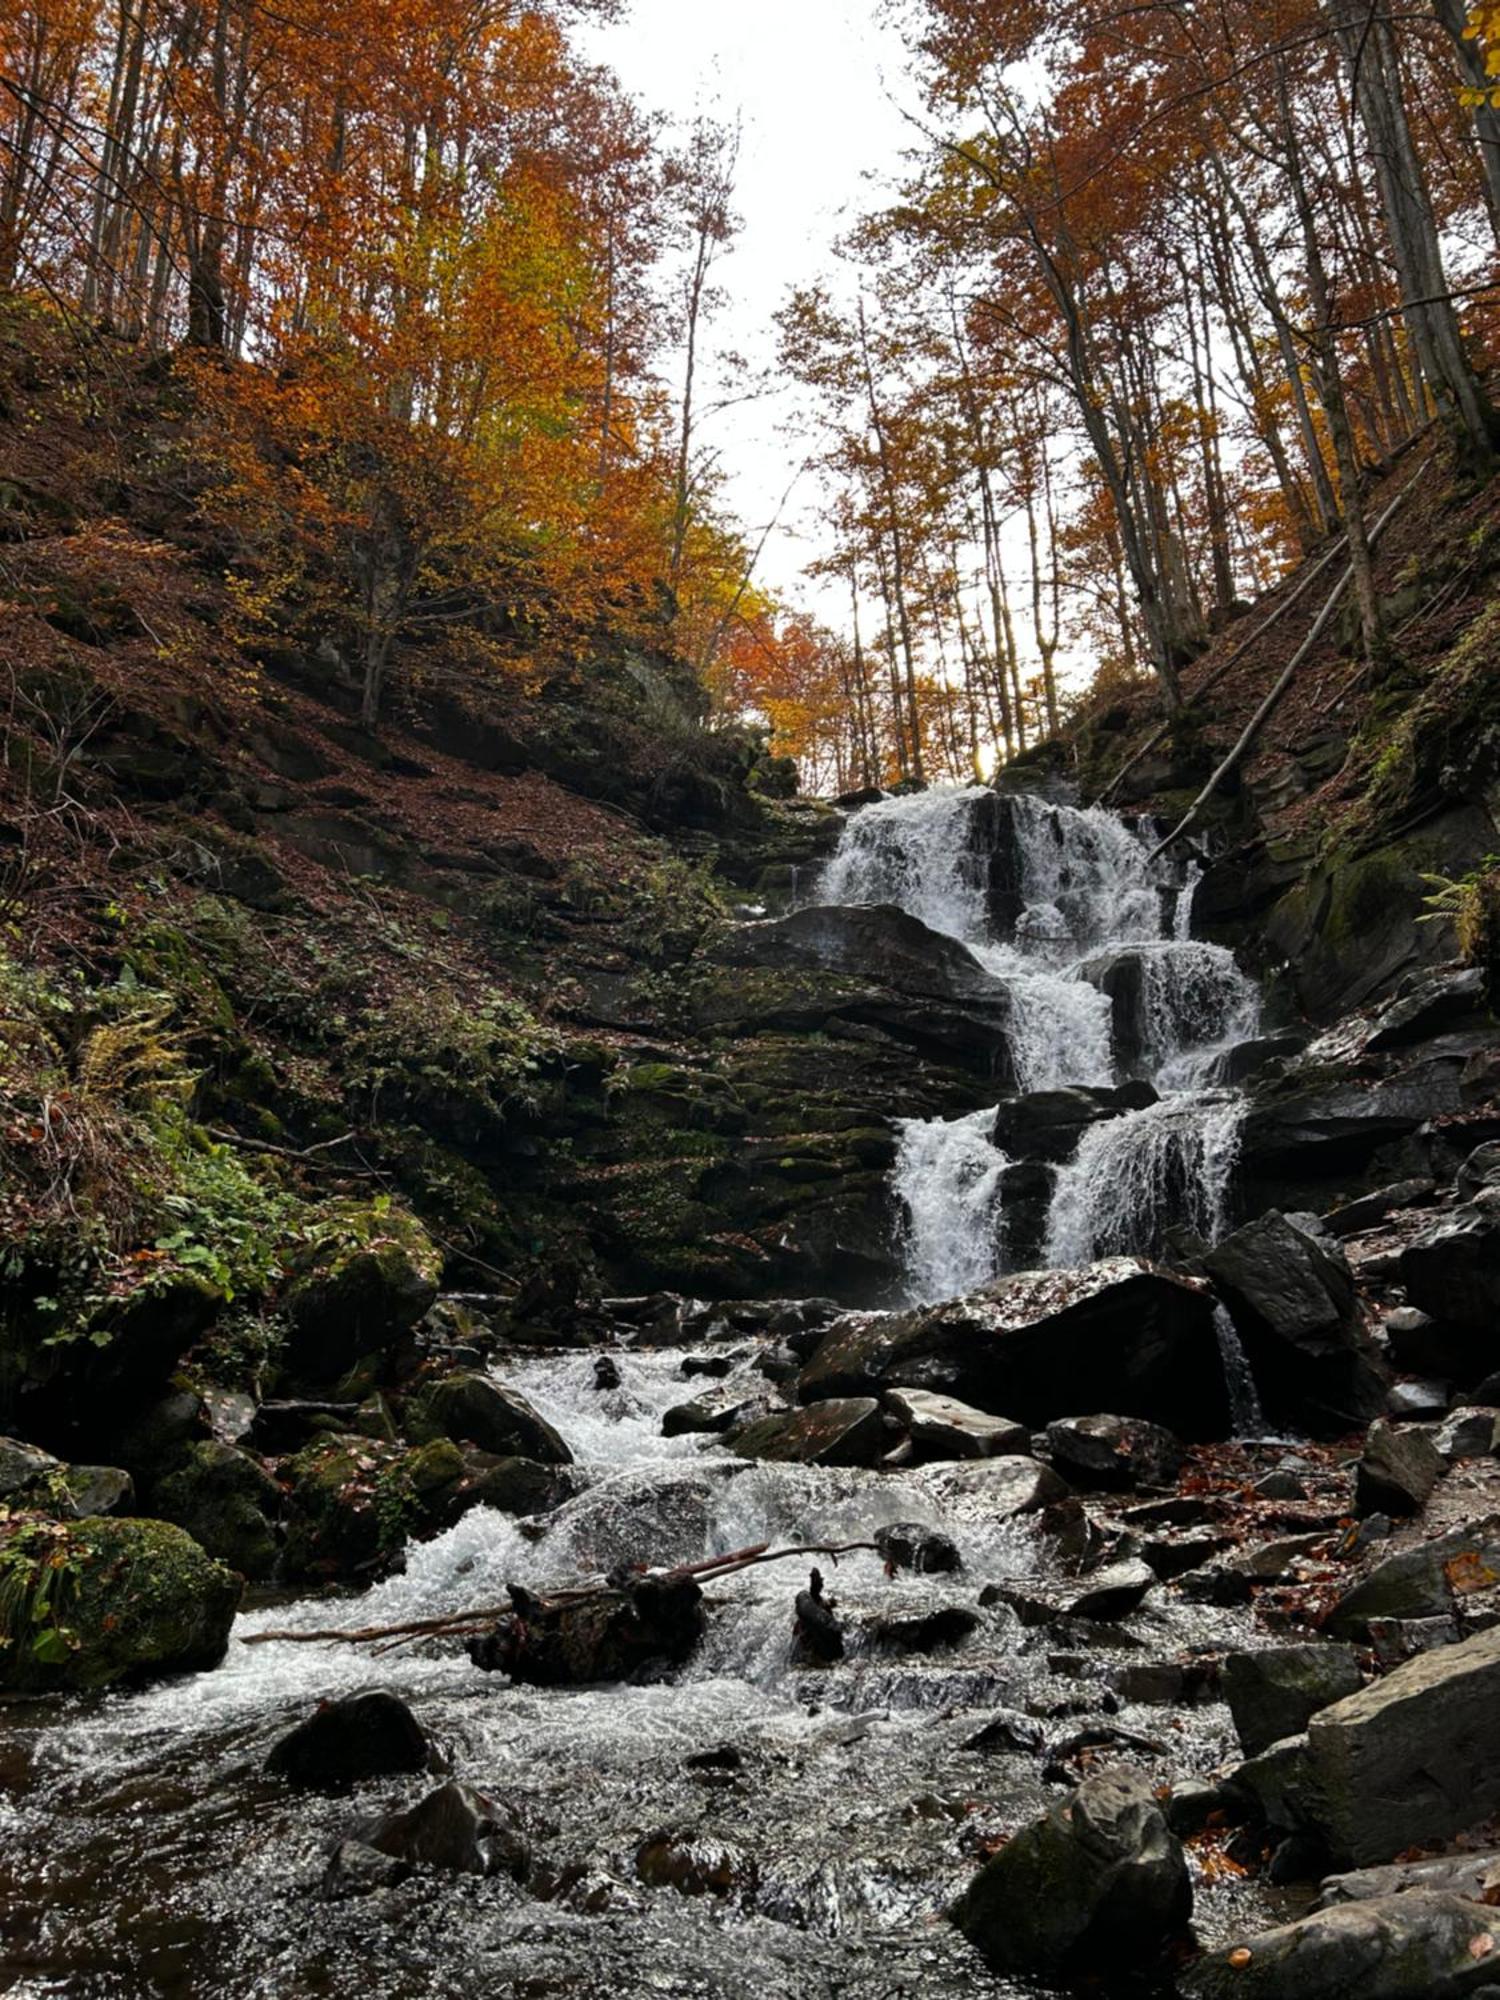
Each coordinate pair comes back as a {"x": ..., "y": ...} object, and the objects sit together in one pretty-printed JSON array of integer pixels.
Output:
[
  {"x": 1093, "y": 942},
  {"x": 947, "y": 1176}
]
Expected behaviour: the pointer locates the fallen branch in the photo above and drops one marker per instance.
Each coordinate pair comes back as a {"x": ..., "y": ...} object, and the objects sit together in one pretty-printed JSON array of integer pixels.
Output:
[
  {"x": 1283, "y": 681},
  {"x": 452, "y": 1624}
]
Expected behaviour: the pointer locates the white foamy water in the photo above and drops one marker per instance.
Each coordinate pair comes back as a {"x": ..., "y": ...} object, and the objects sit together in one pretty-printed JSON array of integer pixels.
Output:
[{"x": 1059, "y": 905}]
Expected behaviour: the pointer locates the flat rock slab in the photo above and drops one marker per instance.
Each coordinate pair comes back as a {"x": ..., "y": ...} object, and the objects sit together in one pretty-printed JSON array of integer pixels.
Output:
[
  {"x": 942, "y": 1427},
  {"x": 1413, "y": 1758},
  {"x": 1427, "y": 1580},
  {"x": 1474, "y": 1877},
  {"x": 1416, "y": 1947},
  {"x": 845, "y": 1430}
]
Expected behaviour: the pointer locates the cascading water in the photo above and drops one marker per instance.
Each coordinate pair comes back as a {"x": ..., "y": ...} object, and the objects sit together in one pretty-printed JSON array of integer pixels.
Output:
[{"x": 1092, "y": 941}]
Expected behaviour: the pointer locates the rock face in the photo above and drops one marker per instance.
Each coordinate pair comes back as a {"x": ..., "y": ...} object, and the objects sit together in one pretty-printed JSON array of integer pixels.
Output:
[
  {"x": 875, "y": 941},
  {"x": 1142, "y": 1340},
  {"x": 125, "y": 1599},
  {"x": 472, "y": 1409},
  {"x": 342, "y": 1743},
  {"x": 1099, "y": 1883},
  {"x": 1291, "y": 1295},
  {"x": 1412, "y": 1758},
  {"x": 1413, "y": 1947},
  {"x": 843, "y": 1431},
  {"x": 1275, "y": 1693},
  {"x": 1453, "y": 1269}
]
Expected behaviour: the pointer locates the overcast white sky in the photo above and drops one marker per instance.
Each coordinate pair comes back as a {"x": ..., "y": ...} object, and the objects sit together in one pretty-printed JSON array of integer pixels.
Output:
[{"x": 812, "y": 82}]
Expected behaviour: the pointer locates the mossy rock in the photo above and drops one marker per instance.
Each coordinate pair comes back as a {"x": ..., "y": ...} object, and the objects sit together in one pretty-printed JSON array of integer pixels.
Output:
[
  {"x": 355, "y": 1502},
  {"x": 367, "y": 1278},
  {"x": 226, "y": 1502},
  {"x": 85, "y": 1604}
]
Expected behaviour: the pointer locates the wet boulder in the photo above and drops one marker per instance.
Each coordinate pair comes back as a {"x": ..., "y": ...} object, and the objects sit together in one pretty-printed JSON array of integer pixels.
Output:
[
  {"x": 472, "y": 1409},
  {"x": 1141, "y": 1338},
  {"x": 610, "y": 1633},
  {"x": 1099, "y": 1883},
  {"x": 841, "y": 1431},
  {"x": 1411, "y": 1759},
  {"x": 908, "y": 1545},
  {"x": 999, "y": 1488},
  {"x": 227, "y": 1502},
  {"x": 925, "y": 1631},
  {"x": 695, "y": 1865},
  {"x": 1291, "y": 1295},
  {"x": 92, "y": 1602},
  {"x": 875, "y": 941},
  {"x": 354, "y": 1502},
  {"x": 1048, "y": 1124},
  {"x": 1412, "y": 1947},
  {"x": 1397, "y": 1471},
  {"x": 1114, "y": 1453},
  {"x": 1452, "y": 1270},
  {"x": 1101, "y": 1597},
  {"x": 940, "y": 1427},
  {"x": 1274, "y": 1693},
  {"x": 1313, "y": 1122},
  {"x": 345, "y": 1742},
  {"x": 1428, "y": 1009},
  {"x": 454, "y": 1828},
  {"x": 367, "y": 1276}
]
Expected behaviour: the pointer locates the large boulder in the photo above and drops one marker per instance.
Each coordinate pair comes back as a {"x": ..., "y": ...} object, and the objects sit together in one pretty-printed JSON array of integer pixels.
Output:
[
  {"x": 1274, "y": 1693},
  {"x": 87, "y": 1603},
  {"x": 1413, "y": 1758},
  {"x": 1114, "y": 1452},
  {"x": 1140, "y": 1340},
  {"x": 841, "y": 1431},
  {"x": 1412, "y": 1947},
  {"x": 471, "y": 1409},
  {"x": 1452, "y": 1270},
  {"x": 366, "y": 1278},
  {"x": 1291, "y": 1295},
  {"x": 1098, "y": 1884},
  {"x": 1397, "y": 1471}
]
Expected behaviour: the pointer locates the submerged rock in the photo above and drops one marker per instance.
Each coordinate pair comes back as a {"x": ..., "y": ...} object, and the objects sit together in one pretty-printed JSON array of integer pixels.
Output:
[
  {"x": 1141, "y": 1339},
  {"x": 1099, "y": 1884},
  {"x": 344, "y": 1742},
  {"x": 910, "y": 1546},
  {"x": 454, "y": 1828},
  {"x": 695, "y": 1865},
  {"x": 1414, "y": 1947}
]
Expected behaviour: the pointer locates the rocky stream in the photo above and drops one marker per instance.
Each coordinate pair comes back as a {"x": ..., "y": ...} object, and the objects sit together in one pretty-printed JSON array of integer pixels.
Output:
[{"x": 1174, "y": 1456}]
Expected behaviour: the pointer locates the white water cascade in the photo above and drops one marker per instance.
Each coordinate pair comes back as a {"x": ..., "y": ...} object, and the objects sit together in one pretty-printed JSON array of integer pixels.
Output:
[{"x": 1092, "y": 942}]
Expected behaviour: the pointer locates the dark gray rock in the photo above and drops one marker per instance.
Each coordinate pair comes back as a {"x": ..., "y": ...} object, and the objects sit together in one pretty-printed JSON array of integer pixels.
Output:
[
  {"x": 1101, "y": 1597},
  {"x": 1418, "y": 1401},
  {"x": 1413, "y": 1758},
  {"x": 1291, "y": 1295},
  {"x": 1468, "y": 1433},
  {"x": 1370, "y": 1210},
  {"x": 227, "y": 1502},
  {"x": 1098, "y": 1883},
  {"x": 1274, "y": 1694},
  {"x": 839, "y": 1431},
  {"x": 1248, "y": 1059},
  {"x": 941, "y": 1427},
  {"x": 1452, "y": 1270},
  {"x": 908, "y": 1545},
  {"x": 1397, "y": 1471},
  {"x": 1423, "y": 1581},
  {"x": 1114, "y": 1453},
  {"x": 1413, "y": 1947},
  {"x": 1475, "y": 1877},
  {"x": 1141, "y": 1339},
  {"x": 345, "y": 1742},
  {"x": 1428, "y": 1009},
  {"x": 1480, "y": 1170},
  {"x": 471, "y": 1409},
  {"x": 1047, "y": 1124},
  {"x": 356, "y": 1870},
  {"x": 454, "y": 1828},
  {"x": 925, "y": 1631}
]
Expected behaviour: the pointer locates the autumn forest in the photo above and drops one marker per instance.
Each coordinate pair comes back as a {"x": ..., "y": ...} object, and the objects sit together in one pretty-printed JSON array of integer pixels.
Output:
[{"x": 1160, "y": 288}]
